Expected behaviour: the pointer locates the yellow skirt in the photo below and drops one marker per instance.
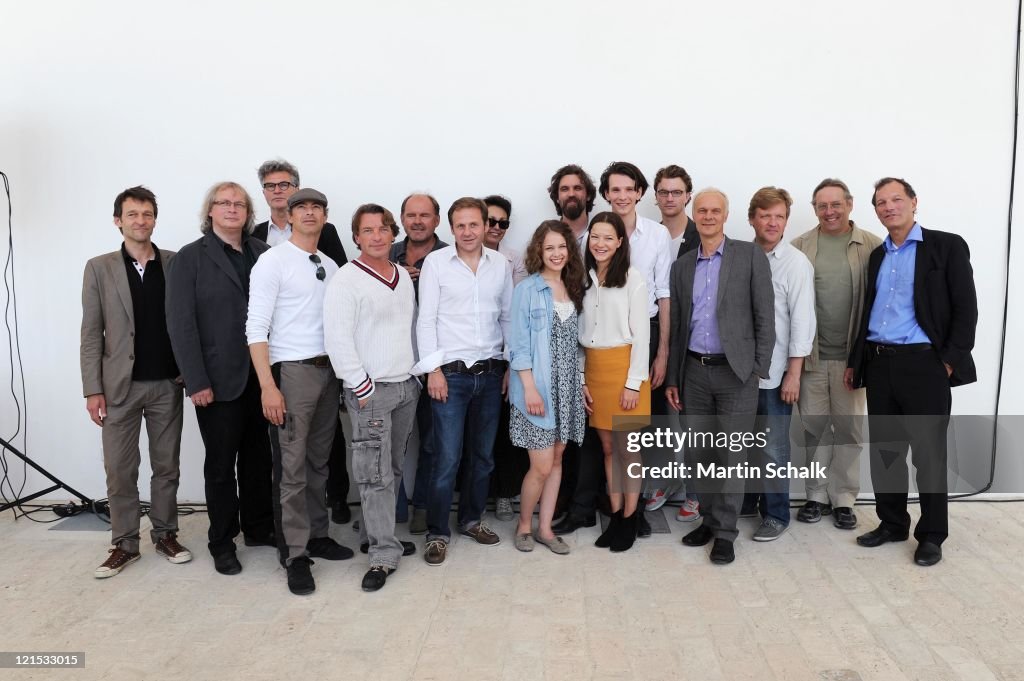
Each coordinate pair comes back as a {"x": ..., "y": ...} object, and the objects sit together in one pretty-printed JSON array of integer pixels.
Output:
[{"x": 606, "y": 372}]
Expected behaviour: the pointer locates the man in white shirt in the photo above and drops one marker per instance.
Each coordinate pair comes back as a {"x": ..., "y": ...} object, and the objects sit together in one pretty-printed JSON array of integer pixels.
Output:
[
  {"x": 368, "y": 319},
  {"x": 465, "y": 295},
  {"x": 285, "y": 331},
  {"x": 279, "y": 180},
  {"x": 623, "y": 185},
  {"x": 793, "y": 283}
]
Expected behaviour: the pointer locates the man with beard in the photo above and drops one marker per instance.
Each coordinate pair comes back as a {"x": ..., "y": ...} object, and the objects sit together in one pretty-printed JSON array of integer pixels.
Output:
[{"x": 573, "y": 193}]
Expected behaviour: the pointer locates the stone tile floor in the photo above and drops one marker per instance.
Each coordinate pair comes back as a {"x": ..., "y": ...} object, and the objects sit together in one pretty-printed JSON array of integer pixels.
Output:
[{"x": 810, "y": 606}]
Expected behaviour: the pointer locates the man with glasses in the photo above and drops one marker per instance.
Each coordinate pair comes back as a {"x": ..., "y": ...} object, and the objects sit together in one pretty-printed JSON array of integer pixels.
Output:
[
  {"x": 285, "y": 330},
  {"x": 672, "y": 191},
  {"x": 280, "y": 179},
  {"x": 463, "y": 324},
  {"x": 839, "y": 251}
]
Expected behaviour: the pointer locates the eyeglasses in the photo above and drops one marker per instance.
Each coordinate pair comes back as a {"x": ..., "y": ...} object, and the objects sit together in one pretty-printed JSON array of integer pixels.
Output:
[
  {"x": 321, "y": 273},
  {"x": 495, "y": 222},
  {"x": 270, "y": 186},
  {"x": 237, "y": 205},
  {"x": 821, "y": 207},
  {"x": 674, "y": 193}
]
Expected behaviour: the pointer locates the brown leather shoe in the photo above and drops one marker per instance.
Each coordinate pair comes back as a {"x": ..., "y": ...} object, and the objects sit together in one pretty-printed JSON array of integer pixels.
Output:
[
  {"x": 482, "y": 534},
  {"x": 115, "y": 562},
  {"x": 168, "y": 547}
]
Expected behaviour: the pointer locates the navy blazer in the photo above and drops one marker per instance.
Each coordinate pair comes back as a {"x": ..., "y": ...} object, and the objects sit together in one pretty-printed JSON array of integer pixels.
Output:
[
  {"x": 206, "y": 312},
  {"x": 329, "y": 243},
  {"x": 945, "y": 303}
]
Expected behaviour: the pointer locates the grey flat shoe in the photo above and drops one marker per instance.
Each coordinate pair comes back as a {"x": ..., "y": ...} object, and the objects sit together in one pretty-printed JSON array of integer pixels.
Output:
[
  {"x": 556, "y": 544},
  {"x": 524, "y": 542}
]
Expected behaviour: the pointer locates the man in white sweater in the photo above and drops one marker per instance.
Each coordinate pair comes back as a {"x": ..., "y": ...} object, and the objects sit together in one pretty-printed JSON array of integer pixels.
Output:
[
  {"x": 368, "y": 318},
  {"x": 285, "y": 330}
]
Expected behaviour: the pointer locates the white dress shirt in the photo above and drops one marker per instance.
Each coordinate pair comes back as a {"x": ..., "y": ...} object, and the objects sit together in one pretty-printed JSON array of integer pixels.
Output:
[
  {"x": 463, "y": 315},
  {"x": 650, "y": 252},
  {"x": 286, "y": 303},
  {"x": 276, "y": 235},
  {"x": 795, "y": 323},
  {"x": 613, "y": 317}
]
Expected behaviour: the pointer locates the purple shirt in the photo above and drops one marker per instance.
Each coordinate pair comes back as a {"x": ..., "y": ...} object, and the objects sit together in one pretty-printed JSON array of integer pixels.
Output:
[{"x": 704, "y": 318}]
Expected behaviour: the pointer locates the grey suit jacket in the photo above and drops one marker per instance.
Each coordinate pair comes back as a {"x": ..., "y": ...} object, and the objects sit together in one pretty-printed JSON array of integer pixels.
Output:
[
  {"x": 107, "y": 351},
  {"x": 206, "y": 311},
  {"x": 745, "y": 309}
]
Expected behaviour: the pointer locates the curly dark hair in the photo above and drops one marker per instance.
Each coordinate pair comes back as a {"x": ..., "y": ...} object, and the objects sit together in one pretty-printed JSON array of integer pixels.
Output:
[
  {"x": 572, "y": 273},
  {"x": 618, "y": 268}
]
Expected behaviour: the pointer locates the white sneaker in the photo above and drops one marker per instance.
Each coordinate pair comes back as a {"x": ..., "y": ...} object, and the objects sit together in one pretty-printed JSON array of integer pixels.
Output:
[{"x": 689, "y": 511}]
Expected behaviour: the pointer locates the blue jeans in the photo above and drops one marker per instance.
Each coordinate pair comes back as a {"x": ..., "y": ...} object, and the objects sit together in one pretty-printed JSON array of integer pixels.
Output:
[
  {"x": 774, "y": 416},
  {"x": 472, "y": 409},
  {"x": 424, "y": 462}
]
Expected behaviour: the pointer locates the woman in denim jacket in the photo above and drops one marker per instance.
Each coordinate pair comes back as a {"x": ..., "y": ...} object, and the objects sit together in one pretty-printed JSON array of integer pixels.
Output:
[{"x": 545, "y": 388}]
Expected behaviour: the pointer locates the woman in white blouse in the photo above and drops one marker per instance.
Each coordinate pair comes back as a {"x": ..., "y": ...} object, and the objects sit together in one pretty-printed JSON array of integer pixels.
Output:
[{"x": 614, "y": 333}]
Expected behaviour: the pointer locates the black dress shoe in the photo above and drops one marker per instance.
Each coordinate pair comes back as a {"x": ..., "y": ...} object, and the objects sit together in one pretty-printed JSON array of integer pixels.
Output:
[
  {"x": 267, "y": 540},
  {"x": 722, "y": 552},
  {"x": 844, "y": 518},
  {"x": 699, "y": 537},
  {"x": 927, "y": 554},
  {"x": 408, "y": 548},
  {"x": 643, "y": 528},
  {"x": 879, "y": 536},
  {"x": 812, "y": 511},
  {"x": 571, "y": 523},
  {"x": 328, "y": 549},
  {"x": 227, "y": 563},
  {"x": 300, "y": 579},
  {"x": 375, "y": 577},
  {"x": 341, "y": 513}
]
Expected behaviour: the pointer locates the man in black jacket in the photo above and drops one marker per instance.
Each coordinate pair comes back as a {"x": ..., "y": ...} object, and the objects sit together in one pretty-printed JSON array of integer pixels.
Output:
[
  {"x": 915, "y": 342},
  {"x": 279, "y": 180}
]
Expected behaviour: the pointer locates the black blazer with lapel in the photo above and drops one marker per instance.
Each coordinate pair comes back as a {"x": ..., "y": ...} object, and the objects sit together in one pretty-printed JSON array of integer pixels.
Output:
[
  {"x": 206, "y": 312},
  {"x": 745, "y": 311},
  {"x": 329, "y": 243},
  {"x": 945, "y": 303}
]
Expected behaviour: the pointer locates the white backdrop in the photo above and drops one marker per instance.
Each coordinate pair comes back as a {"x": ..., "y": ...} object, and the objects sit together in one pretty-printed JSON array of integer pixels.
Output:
[{"x": 374, "y": 100}]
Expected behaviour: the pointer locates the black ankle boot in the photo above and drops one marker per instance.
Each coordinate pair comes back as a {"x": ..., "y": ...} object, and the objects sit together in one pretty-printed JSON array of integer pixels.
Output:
[
  {"x": 605, "y": 540},
  {"x": 625, "y": 535}
]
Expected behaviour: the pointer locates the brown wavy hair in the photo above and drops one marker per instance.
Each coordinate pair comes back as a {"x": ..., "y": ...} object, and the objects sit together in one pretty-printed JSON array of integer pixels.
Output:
[
  {"x": 618, "y": 268},
  {"x": 572, "y": 273}
]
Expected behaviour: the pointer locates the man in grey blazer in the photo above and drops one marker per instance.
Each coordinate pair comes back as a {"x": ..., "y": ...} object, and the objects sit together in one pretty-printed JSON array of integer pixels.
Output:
[
  {"x": 128, "y": 373},
  {"x": 722, "y": 334}
]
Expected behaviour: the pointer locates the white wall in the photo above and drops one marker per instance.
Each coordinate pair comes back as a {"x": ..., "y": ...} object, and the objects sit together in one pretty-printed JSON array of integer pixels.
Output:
[{"x": 373, "y": 100}]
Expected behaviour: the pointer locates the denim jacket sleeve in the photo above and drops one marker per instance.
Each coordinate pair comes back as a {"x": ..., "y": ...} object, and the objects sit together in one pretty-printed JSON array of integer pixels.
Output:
[{"x": 519, "y": 347}]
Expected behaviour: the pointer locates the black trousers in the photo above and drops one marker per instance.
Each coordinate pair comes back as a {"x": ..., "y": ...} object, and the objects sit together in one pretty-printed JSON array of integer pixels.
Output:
[
  {"x": 337, "y": 476},
  {"x": 587, "y": 474},
  {"x": 510, "y": 462},
  {"x": 235, "y": 434},
  {"x": 659, "y": 405},
  {"x": 909, "y": 402}
]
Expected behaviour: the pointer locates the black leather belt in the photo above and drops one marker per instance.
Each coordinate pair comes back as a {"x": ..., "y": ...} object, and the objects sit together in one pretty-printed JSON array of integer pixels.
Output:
[
  {"x": 481, "y": 367},
  {"x": 320, "y": 361},
  {"x": 708, "y": 360},
  {"x": 879, "y": 349}
]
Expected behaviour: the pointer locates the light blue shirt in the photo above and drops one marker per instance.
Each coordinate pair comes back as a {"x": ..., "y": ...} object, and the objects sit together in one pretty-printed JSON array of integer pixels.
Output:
[
  {"x": 892, "y": 320},
  {"x": 704, "y": 336},
  {"x": 530, "y": 346}
]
